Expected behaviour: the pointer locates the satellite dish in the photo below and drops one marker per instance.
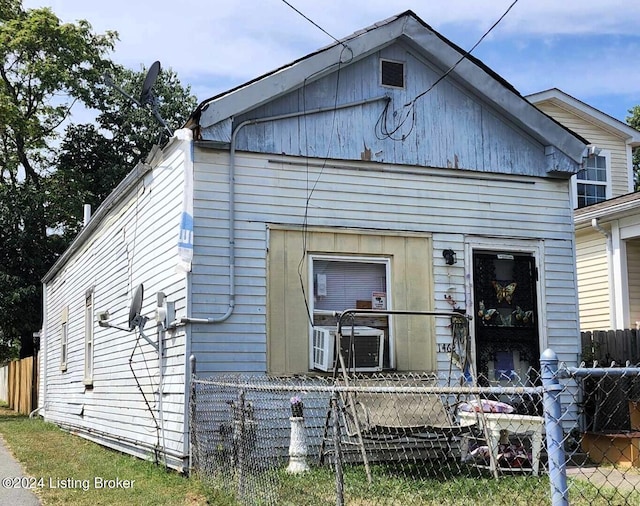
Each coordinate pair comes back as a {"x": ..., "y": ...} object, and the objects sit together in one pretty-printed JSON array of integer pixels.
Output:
[
  {"x": 135, "y": 318},
  {"x": 146, "y": 95}
]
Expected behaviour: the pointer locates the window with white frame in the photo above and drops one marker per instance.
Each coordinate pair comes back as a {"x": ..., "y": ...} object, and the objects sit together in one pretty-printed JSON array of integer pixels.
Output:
[
  {"x": 64, "y": 336},
  {"x": 341, "y": 283},
  {"x": 88, "y": 338},
  {"x": 593, "y": 181}
]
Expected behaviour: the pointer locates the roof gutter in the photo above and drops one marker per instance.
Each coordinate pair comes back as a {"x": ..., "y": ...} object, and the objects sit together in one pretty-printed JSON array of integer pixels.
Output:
[{"x": 588, "y": 217}]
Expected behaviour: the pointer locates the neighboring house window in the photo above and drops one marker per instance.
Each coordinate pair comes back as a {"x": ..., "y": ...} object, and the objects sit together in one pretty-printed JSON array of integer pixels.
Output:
[
  {"x": 88, "y": 338},
  {"x": 341, "y": 283},
  {"x": 592, "y": 182},
  {"x": 64, "y": 334}
]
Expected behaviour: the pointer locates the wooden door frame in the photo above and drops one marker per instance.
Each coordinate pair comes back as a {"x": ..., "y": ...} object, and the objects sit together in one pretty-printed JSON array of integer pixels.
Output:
[{"x": 485, "y": 244}]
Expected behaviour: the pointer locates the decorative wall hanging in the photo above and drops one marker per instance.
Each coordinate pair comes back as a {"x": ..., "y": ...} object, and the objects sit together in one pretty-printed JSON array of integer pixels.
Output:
[{"x": 504, "y": 292}]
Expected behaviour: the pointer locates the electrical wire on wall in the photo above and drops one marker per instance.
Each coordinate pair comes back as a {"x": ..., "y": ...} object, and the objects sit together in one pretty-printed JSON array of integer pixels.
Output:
[
  {"x": 144, "y": 396},
  {"x": 305, "y": 219},
  {"x": 382, "y": 129},
  {"x": 140, "y": 190}
]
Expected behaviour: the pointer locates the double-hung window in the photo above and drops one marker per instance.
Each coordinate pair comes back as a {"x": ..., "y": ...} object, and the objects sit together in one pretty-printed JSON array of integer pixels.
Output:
[
  {"x": 592, "y": 182},
  {"x": 341, "y": 283},
  {"x": 88, "y": 338}
]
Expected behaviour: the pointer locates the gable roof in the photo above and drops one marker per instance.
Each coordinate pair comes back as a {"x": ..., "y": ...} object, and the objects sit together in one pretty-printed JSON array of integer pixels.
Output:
[
  {"x": 409, "y": 28},
  {"x": 559, "y": 98}
]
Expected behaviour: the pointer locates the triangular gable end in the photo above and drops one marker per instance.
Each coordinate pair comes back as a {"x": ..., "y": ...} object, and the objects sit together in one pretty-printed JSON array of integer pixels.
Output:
[
  {"x": 559, "y": 98},
  {"x": 561, "y": 149}
]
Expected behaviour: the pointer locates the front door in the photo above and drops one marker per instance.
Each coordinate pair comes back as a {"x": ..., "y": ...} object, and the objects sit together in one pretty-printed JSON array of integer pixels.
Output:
[{"x": 505, "y": 317}]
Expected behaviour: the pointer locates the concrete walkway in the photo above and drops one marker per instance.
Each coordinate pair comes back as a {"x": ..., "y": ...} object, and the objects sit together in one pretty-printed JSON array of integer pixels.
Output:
[
  {"x": 607, "y": 476},
  {"x": 11, "y": 490}
]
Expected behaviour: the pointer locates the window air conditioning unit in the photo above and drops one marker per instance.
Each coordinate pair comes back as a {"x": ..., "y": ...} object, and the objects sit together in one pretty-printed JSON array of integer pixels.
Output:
[{"x": 367, "y": 353}]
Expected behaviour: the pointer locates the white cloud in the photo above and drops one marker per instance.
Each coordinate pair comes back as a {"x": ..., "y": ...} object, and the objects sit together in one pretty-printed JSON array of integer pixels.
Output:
[{"x": 215, "y": 45}]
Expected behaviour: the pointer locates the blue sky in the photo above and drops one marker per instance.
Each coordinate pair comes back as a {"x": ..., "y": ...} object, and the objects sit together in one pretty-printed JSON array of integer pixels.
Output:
[{"x": 585, "y": 48}]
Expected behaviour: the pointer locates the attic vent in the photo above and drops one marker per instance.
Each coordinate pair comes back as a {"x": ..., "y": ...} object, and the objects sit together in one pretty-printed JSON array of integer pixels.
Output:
[{"x": 392, "y": 73}]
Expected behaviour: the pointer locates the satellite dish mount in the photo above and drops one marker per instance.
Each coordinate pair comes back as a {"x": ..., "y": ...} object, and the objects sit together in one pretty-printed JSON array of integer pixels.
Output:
[{"x": 147, "y": 99}]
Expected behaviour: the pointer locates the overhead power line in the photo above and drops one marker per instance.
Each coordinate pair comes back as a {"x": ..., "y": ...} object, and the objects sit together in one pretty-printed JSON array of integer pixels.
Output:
[
  {"x": 466, "y": 54},
  {"x": 409, "y": 107},
  {"x": 311, "y": 21}
]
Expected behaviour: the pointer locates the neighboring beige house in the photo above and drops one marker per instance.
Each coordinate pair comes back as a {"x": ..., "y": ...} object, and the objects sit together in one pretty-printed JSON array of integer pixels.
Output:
[{"x": 606, "y": 216}]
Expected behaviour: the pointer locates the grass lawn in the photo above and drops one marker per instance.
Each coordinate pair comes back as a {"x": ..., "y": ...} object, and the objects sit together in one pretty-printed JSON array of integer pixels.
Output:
[{"x": 49, "y": 453}]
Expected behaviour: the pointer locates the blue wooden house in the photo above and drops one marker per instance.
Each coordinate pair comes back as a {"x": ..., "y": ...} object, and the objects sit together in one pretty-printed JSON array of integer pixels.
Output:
[{"x": 387, "y": 170}]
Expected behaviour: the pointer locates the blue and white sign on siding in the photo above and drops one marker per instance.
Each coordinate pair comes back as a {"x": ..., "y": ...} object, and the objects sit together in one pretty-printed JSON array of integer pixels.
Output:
[
  {"x": 185, "y": 240},
  {"x": 185, "y": 237}
]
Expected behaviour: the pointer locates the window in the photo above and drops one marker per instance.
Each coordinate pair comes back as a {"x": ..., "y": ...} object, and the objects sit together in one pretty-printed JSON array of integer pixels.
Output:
[
  {"x": 88, "y": 338},
  {"x": 592, "y": 181},
  {"x": 341, "y": 283},
  {"x": 64, "y": 334},
  {"x": 392, "y": 73},
  {"x": 400, "y": 263}
]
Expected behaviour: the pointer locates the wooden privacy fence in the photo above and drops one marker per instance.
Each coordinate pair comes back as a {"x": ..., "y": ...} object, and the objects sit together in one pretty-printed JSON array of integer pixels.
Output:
[
  {"x": 22, "y": 385},
  {"x": 607, "y": 346},
  {"x": 606, "y": 399}
]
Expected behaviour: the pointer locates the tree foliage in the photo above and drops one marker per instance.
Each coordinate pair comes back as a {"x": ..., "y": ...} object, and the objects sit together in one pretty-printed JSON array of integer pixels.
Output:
[
  {"x": 47, "y": 68},
  {"x": 94, "y": 158},
  {"x": 634, "y": 121}
]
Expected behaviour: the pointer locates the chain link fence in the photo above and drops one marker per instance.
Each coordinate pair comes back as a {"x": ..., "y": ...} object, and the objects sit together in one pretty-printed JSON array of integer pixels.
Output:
[
  {"x": 407, "y": 439},
  {"x": 600, "y": 418}
]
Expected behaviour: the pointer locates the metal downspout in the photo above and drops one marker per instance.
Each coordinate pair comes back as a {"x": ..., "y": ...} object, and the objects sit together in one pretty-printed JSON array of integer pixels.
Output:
[
  {"x": 232, "y": 179},
  {"x": 42, "y": 357},
  {"x": 612, "y": 282}
]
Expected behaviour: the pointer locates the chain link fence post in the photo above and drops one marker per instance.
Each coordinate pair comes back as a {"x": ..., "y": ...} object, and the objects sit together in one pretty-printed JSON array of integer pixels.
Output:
[
  {"x": 337, "y": 451},
  {"x": 553, "y": 425},
  {"x": 192, "y": 415}
]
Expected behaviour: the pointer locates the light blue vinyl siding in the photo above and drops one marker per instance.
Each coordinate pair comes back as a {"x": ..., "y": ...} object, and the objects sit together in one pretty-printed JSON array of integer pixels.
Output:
[{"x": 450, "y": 204}]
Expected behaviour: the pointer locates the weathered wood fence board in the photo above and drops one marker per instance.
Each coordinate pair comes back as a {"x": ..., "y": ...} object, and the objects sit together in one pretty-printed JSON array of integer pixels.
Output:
[
  {"x": 22, "y": 385},
  {"x": 608, "y": 346},
  {"x": 606, "y": 399}
]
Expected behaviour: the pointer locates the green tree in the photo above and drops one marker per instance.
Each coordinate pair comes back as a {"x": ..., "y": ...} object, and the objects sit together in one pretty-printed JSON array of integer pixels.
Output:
[
  {"x": 94, "y": 158},
  {"x": 47, "y": 66},
  {"x": 634, "y": 121},
  {"x": 45, "y": 178}
]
